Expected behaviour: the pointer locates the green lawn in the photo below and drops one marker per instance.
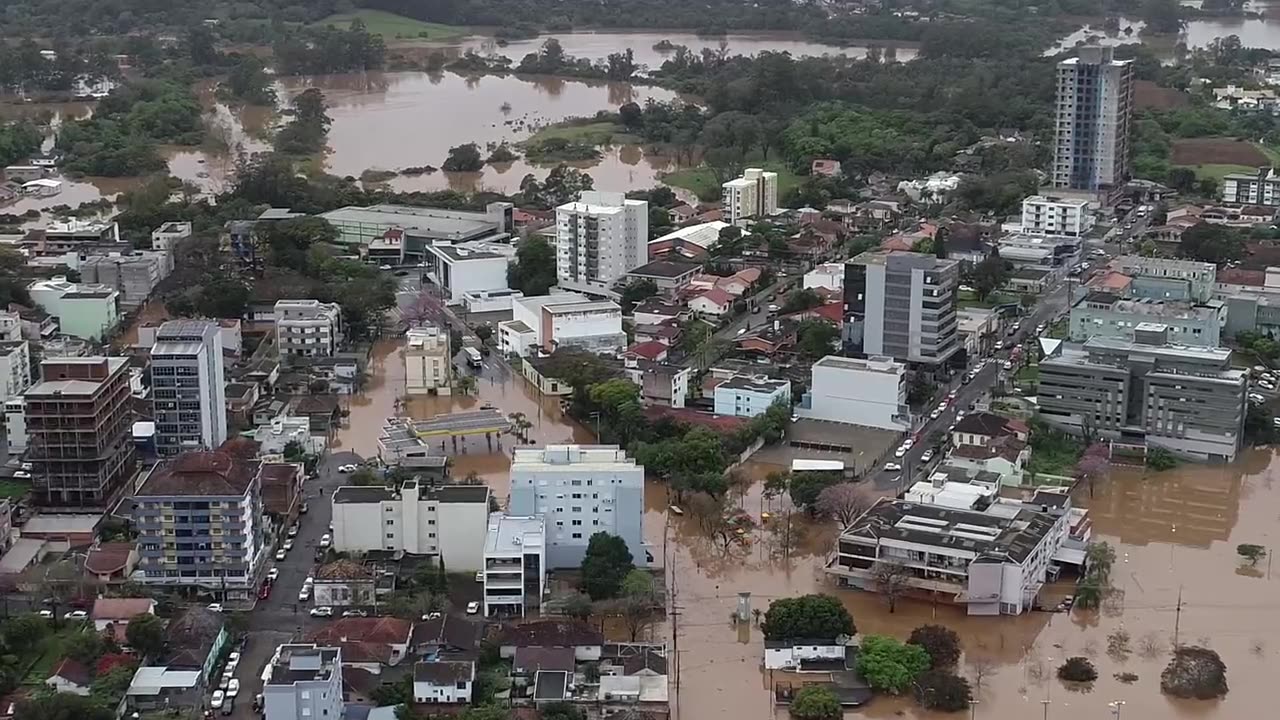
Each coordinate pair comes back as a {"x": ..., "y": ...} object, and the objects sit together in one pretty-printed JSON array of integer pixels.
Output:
[
  {"x": 969, "y": 299},
  {"x": 594, "y": 133},
  {"x": 1217, "y": 171},
  {"x": 391, "y": 26},
  {"x": 1270, "y": 152},
  {"x": 14, "y": 488},
  {"x": 51, "y": 649},
  {"x": 702, "y": 182}
]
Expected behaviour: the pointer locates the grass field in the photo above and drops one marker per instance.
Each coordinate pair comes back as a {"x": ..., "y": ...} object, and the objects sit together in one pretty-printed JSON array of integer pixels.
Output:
[
  {"x": 1217, "y": 151},
  {"x": 1216, "y": 171},
  {"x": 51, "y": 649},
  {"x": 391, "y": 26},
  {"x": 702, "y": 182},
  {"x": 13, "y": 488},
  {"x": 596, "y": 133}
]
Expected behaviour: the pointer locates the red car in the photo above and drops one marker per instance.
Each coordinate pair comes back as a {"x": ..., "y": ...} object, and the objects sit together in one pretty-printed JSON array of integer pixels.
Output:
[{"x": 265, "y": 592}]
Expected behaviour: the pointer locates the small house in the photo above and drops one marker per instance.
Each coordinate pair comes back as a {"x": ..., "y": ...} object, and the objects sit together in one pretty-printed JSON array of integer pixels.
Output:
[
  {"x": 443, "y": 682},
  {"x": 69, "y": 676}
]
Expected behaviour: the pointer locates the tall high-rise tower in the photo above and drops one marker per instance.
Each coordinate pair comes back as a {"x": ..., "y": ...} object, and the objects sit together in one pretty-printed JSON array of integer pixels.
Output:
[{"x": 1091, "y": 151}]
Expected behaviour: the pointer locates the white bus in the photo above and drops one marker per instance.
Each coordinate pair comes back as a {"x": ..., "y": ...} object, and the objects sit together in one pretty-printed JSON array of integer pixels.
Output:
[{"x": 473, "y": 356}]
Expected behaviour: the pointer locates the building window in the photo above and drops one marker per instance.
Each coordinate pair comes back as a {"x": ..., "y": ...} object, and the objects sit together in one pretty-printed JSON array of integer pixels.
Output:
[
  {"x": 391, "y": 522},
  {"x": 577, "y": 536}
]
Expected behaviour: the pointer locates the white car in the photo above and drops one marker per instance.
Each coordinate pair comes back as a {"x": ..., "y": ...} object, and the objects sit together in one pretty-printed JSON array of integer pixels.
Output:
[
  {"x": 324, "y": 611},
  {"x": 215, "y": 702},
  {"x": 908, "y": 443},
  {"x": 935, "y": 414},
  {"x": 304, "y": 594},
  {"x": 225, "y": 683},
  {"x": 384, "y": 267},
  {"x": 353, "y": 612},
  {"x": 326, "y": 540},
  {"x": 293, "y": 531},
  {"x": 473, "y": 607},
  {"x": 1266, "y": 385},
  {"x": 214, "y": 607},
  {"x": 927, "y": 456},
  {"x": 280, "y": 554},
  {"x": 899, "y": 452},
  {"x": 273, "y": 573},
  {"x": 479, "y": 576},
  {"x": 46, "y": 614},
  {"x": 234, "y": 688},
  {"x": 288, "y": 545},
  {"x": 75, "y": 615},
  {"x": 1008, "y": 365},
  {"x": 1256, "y": 399},
  {"x": 348, "y": 468},
  {"x": 233, "y": 659},
  {"x": 22, "y": 475},
  {"x": 892, "y": 467},
  {"x": 1269, "y": 377}
]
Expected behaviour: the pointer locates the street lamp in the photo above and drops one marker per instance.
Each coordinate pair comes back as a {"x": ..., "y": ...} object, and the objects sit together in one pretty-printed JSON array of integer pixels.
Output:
[
  {"x": 973, "y": 707},
  {"x": 1115, "y": 708}
]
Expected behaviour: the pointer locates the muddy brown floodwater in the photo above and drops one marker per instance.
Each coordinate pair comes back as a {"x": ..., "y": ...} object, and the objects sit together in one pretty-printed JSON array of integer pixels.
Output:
[{"x": 1174, "y": 533}]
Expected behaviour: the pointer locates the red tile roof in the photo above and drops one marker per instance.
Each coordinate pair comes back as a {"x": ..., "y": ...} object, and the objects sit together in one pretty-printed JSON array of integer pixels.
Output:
[
  {"x": 717, "y": 296},
  {"x": 121, "y": 608},
  {"x": 72, "y": 672},
  {"x": 369, "y": 630},
  {"x": 651, "y": 350},
  {"x": 108, "y": 558},
  {"x": 1241, "y": 276}
]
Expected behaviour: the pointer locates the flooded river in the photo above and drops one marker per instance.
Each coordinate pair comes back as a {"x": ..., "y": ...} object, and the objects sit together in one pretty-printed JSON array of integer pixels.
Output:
[{"x": 1174, "y": 533}]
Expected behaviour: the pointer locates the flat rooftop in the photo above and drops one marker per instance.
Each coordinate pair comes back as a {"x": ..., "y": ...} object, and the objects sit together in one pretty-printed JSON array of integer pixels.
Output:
[
  {"x": 511, "y": 534},
  {"x": 303, "y": 663},
  {"x": 1003, "y": 534},
  {"x": 754, "y": 384},
  {"x": 460, "y": 254},
  {"x": 877, "y": 364},
  {"x": 665, "y": 269},
  {"x": 433, "y": 223},
  {"x": 77, "y": 387}
]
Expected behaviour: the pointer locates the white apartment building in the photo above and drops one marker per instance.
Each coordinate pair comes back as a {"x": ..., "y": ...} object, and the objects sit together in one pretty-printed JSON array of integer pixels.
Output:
[
  {"x": 870, "y": 392},
  {"x": 274, "y": 437},
  {"x": 1045, "y": 215},
  {"x": 748, "y": 396},
  {"x": 85, "y": 311},
  {"x": 166, "y": 237},
  {"x": 15, "y": 368},
  {"x": 427, "y": 365},
  {"x": 755, "y": 194},
  {"x": 15, "y": 425},
  {"x": 1261, "y": 187},
  {"x": 515, "y": 564},
  {"x": 448, "y": 521},
  {"x": 599, "y": 238},
  {"x": 188, "y": 386},
  {"x": 580, "y": 490},
  {"x": 545, "y": 323},
  {"x": 308, "y": 328},
  {"x": 828, "y": 275},
  {"x": 10, "y": 326},
  {"x": 995, "y": 561},
  {"x": 303, "y": 681},
  {"x": 443, "y": 682},
  {"x": 468, "y": 268},
  {"x": 1091, "y": 152}
]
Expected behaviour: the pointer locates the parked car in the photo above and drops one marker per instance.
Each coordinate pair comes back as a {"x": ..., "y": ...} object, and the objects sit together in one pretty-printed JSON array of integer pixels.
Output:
[
  {"x": 273, "y": 573},
  {"x": 326, "y": 540},
  {"x": 234, "y": 688},
  {"x": 281, "y": 554},
  {"x": 46, "y": 614},
  {"x": 324, "y": 611},
  {"x": 288, "y": 545},
  {"x": 480, "y": 573},
  {"x": 214, "y": 607},
  {"x": 892, "y": 467},
  {"x": 302, "y": 509},
  {"x": 900, "y": 452},
  {"x": 304, "y": 594},
  {"x": 473, "y": 607},
  {"x": 927, "y": 456},
  {"x": 1256, "y": 399},
  {"x": 293, "y": 531},
  {"x": 348, "y": 468},
  {"x": 75, "y": 615},
  {"x": 354, "y": 612},
  {"x": 215, "y": 702}
]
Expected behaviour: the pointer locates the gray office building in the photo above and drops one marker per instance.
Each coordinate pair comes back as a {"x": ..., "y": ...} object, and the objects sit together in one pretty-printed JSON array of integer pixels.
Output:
[
  {"x": 305, "y": 681},
  {"x": 1091, "y": 151},
  {"x": 902, "y": 305},
  {"x": 188, "y": 388},
  {"x": 1104, "y": 314},
  {"x": 1188, "y": 400}
]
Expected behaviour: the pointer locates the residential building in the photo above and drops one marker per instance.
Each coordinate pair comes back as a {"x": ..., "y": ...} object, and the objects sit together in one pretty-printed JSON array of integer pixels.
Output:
[
  {"x": 343, "y": 583},
  {"x": 984, "y": 429},
  {"x": 748, "y": 396},
  {"x": 15, "y": 425},
  {"x": 1048, "y": 215},
  {"x": 482, "y": 301},
  {"x": 1261, "y": 187},
  {"x": 443, "y": 682},
  {"x": 657, "y": 312},
  {"x": 827, "y": 275},
  {"x": 712, "y": 303},
  {"x": 114, "y": 614},
  {"x": 10, "y": 326},
  {"x": 111, "y": 563},
  {"x": 303, "y": 681},
  {"x": 1168, "y": 279},
  {"x": 586, "y": 642},
  {"x": 368, "y": 643},
  {"x": 1188, "y": 400},
  {"x": 181, "y": 674},
  {"x": 1029, "y": 280},
  {"x": 468, "y": 268},
  {"x": 308, "y": 328},
  {"x": 23, "y": 173},
  {"x": 280, "y": 431},
  {"x": 692, "y": 243},
  {"x": 580, "y": 490},
  {"x": 667, "y": 275},
  {"x": 446, "y": 521},
  {"x": 1094, "y": 108},
  {"x": 78, "y": 424},
  {"x": 1104, "y": 314},
  {"x": 753, "y": 195},
  {"x": 515, "y": 564},
  {"x": 661, "y": 383},
  {"x": 870, "y": 392},
  {"x": 936, "y": 188},
  {"x": 421, "y": 227},
  {"x": 993, "y": 560},
  {"x": 550, "y": 322},
  {"x": 1039, "y": 251},
  {"x": 15, "y": 368},
  {"x": 188, "y": 387},
  {"x": 70, "y": 676},
  {"x": 88, "y": 312},
  {"x": 802, "y": 654},
  {"x": 59, "y": 238},
  {"x": 167, "y": 237},
  {"x": 134, "y": 275},
  {"x": 979, "y": 330},
  {"x": 428, "y": 366},
  {"x": 902, "y": 305},
  {"x": 599, "y": 238},
  {"x": 199, "y": 518}
]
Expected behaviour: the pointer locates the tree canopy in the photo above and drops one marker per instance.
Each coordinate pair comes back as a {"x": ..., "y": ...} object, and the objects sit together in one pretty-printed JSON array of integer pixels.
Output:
[
  {"x": 889, "y": 665},
  {"x": 807, "y": 616},
  {"x": 605, "y": 565}
]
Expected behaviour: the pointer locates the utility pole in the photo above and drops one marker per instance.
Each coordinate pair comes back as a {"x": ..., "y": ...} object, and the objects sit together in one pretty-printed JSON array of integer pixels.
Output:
[{"x": 1177, "y": 619}]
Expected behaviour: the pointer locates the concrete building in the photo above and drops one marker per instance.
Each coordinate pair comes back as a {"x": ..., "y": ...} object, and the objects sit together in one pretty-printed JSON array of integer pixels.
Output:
[
  {"x": 1168, "y": 279},
  {"x": 88, "y": 312},
  {"x": 1256, "y": 188},
  {"x": 422, "y": 227},
  {"x": 692, "y": 243},
  {"x": 580, "y": 490},
  {"x": 515, "y": 564},
  {"x": 829, "y": 276},
  {"x": 993, "y": 559},
  {"x": 167, "y": 237},
  {"x": 748, "y": 396},
  {"x": 870, "y": 392},
  {"x": 447, "y": 521},
  {"x": 428, "y": 366},
  {"x": 1039, "y": 251},
  {"x": 468, "y": 268},
  {"x": 548, "y": 322},
  {"x": 443, "y": 682},
  {"x": 303, "y": 681},
  {"x": 73, "y": 235},
  {"x": 1047, "y": 215},
  {"x": 598, "y": 239},
  {"x": 15, "y": 368},
  {"x": 755, "y": 194},
  {"x": 979, "y": 330},
  {"x": 15, "y": 425},
  {"x": 134, "y": 276},
  {"x": 78, "y": 424},
  {"x": 188, "y": 387},
  {"x": 667, "y": 275},
  {"x": 1188, "y": 400},
  {"x": 308, "y": 328},
  {"x": 902, "y": 305},
  {"x": 1103, "y": 314},
  {"x": 1095, "y": 103},
  {"x": 199, "y": 519},
  {"x": 10, "y": 326},
  {"x": 276, "y": 435}
]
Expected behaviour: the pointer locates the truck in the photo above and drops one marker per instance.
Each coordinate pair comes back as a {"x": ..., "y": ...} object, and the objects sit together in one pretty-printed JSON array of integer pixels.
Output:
[{"x": 473, "y": 357}]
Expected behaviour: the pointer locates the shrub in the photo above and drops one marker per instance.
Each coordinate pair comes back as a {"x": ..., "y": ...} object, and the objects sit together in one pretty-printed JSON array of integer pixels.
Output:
[{"x": 1077, "y": 669}]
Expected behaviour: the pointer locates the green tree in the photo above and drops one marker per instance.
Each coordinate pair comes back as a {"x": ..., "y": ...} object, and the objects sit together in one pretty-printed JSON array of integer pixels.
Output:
[
  {"x": 606, "y": 563},
  {"x": 815, "y": 702},
  {"x": 145, "y": 634},
  {"x": 943, "y": 690},
  {"x": 1159, "y": 459},
  {"x": 464, "y": 158},
  {"x": 579, "y": 607},
  {"x": 805, "y": 487},
  {"x": 534, "y": 272},
  {"x": 1252, "y": 553},
  {"x": 889, "y": 665},
  {"x": 940, "y": 642},
  {"x": 62, "y": 706},
  {"x": 364, "y": 476},
  {"x": 1077, "y": 669},
  {"x": 288, "y": 242},
  {"x": 990, "y": 275},
  {"x": 1163, "y": 17},
  {"x": 248, "y": 82},
  {"x": 816, "y": 338},
  {"x": 1211, "y": 243},
  {"x": 807, "y": 616},
  {"x": 802, "y": 299},
  {"x": 635, "y": 291}
]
